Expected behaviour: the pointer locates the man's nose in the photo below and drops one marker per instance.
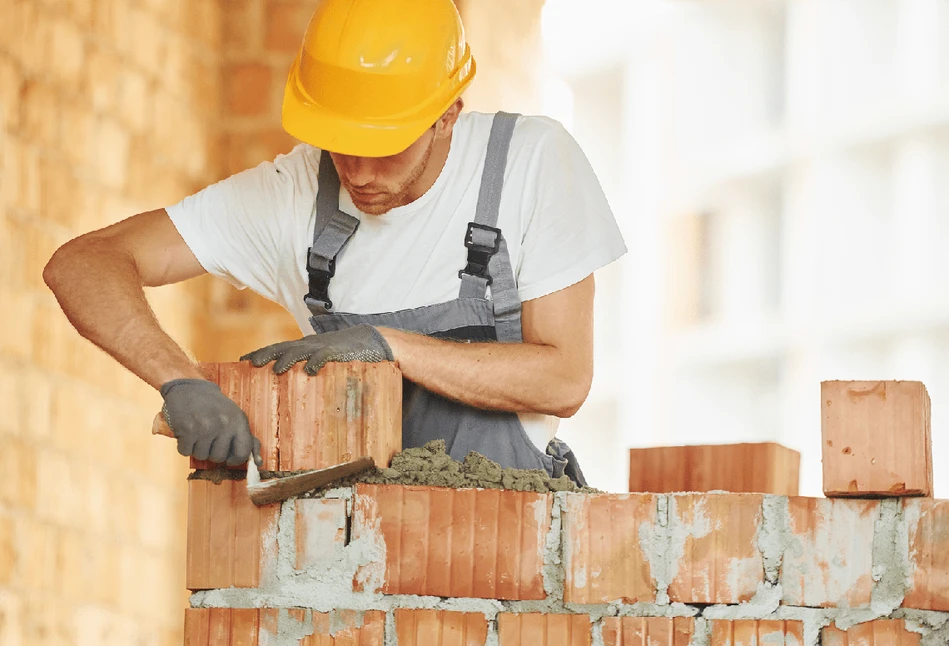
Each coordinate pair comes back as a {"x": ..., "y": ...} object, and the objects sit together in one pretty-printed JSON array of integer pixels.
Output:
[{"x": 359, "y": 171}]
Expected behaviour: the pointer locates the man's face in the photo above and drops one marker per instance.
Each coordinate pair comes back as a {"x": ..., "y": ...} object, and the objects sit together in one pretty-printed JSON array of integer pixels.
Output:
[{"x": 379, "y": 184}]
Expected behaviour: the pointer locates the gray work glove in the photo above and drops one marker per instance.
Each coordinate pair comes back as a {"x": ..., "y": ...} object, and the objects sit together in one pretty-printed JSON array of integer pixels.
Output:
[
  {"x": 359, "y": 343},
  {"x": 207, "y": 424}
]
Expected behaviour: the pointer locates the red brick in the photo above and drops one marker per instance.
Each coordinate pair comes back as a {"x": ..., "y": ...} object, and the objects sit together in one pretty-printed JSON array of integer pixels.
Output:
[
  {"x": 535, "y": 629},
  {"x": 603, "y": 558},
  {"x": 454, "y": 542},
  {"x": 346, "y": 411},
  {"x": 320, "y": 530},
  {"x": 881, "y": 632},
  {"x": 752, "y": 632},
  {"x": 440, "y": 628},
  {"x": 648, "y": 631},
  {"x": 247, "y": 88},
  {"x": 286, "y": 22},
  {"x": 259, "y": 627},
  {"x": 231, "y": 542},
  {"x": 876, "y": 438},
  {"x": 829, "y": 560},
  {"x": 737, "y": 468},
  {"x": 928, "y": 522},
  {"x": 721, "y": 562}
]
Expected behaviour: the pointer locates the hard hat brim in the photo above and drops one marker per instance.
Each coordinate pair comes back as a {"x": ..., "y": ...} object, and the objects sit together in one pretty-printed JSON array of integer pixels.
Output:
[{"x": 332, "y": 131}]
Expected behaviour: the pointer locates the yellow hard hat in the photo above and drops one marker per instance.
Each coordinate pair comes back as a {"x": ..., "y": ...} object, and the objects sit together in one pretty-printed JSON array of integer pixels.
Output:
[{"x": 373, "y": 75}]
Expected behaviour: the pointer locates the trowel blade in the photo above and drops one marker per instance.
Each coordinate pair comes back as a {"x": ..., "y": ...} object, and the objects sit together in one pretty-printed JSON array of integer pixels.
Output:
[{"x": 279, "y": 489}]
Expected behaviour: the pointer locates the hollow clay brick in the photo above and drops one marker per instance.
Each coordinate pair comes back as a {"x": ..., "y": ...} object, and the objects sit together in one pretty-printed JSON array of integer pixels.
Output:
[
  {"x": 483, "y": 543},
  {"x": 535, "y": 629},
  {"x": 881, "y": 632},
  {"x": 876, "y": 438},
  {"x": 829, "y": 560},
  {"x": 255, "y": 391},
  {"x": 263, "y": 627},
  {"x": 753, "y": 632},
  {"x": 440, "y": 628},
  {"x": 230, "y": 540},
  {"x": 648, "y": 631},
  {"x": 928, "y": 523},
  {"x": 320, "y": 530},
  {"x": 720, "y": 561},
  {"x": 346, "y": 411},
  {"x": 737, "y": 468},
  {"x": 604, "y": 560}
]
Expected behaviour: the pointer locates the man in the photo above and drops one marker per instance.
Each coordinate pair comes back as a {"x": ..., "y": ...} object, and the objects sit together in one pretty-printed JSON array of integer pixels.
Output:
[{"x": 461, "y": 246}]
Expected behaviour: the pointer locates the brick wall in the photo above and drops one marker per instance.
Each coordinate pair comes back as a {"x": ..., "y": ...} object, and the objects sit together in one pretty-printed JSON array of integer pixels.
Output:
[
  {"x": 474, "y": 567},
  {"x": 107, "y": 108}
]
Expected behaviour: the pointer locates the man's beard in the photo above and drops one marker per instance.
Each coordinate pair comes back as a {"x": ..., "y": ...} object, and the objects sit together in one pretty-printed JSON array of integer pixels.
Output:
[{"x": 391, "y": 199}]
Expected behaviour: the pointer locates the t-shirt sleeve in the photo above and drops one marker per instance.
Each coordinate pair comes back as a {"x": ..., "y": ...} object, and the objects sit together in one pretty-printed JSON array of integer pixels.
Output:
[
  {"x": 572, "y": 231},
  {"x": 235, "y": 227}
]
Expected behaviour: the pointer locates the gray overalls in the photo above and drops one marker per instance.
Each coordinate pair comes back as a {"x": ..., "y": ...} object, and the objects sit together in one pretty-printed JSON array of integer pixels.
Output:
[{"x": 470, "y": 317}]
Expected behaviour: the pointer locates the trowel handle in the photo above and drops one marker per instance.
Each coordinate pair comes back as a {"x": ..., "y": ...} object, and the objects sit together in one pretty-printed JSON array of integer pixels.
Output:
[{"x": 160, "y": 426}]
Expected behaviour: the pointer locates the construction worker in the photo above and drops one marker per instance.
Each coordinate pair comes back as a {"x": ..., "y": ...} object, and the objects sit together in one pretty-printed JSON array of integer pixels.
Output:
[{"x": 460, "y": 246}]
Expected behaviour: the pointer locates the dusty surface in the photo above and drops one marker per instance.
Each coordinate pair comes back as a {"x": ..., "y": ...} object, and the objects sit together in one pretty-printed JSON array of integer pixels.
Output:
[{"x": 430, "y": 465}]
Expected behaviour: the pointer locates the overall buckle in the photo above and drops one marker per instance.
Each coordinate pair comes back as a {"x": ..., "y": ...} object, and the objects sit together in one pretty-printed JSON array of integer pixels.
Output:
[
  {"x": 479, "y": 255},
  {"x": 319, "y": 280}
]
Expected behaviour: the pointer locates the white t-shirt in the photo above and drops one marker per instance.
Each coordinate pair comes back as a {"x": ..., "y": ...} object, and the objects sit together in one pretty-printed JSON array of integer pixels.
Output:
[{"x": 253, "y": 229}]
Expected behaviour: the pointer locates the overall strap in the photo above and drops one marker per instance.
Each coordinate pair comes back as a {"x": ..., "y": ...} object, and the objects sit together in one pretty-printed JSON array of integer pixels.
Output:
[
  {"x": 488, "y": 259},
  {"x": 332, "y": 230}
]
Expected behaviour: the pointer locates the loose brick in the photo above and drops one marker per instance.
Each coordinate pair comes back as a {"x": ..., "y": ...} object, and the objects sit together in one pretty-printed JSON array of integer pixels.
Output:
[
  {"x": 648, "y": 631},
  {"x": 357, "y": 408},
  {"x": 751, "y": 632},
  {"x": 720, "y": 561},
  {"x": 440, "y": 628},
  {"x": 882, "y": 632},
  {"x": 928, "y": 523},
  {"x": 876, "y": 438},
  {"x": 829, "y": 560},
  {"x": 320, "y": 530},
  {"x": 737, "y": 468},
  {"x": 347, "y": 411},
  {"x": 535, "y": 629},
  {"x": 231, "y": 542},
  {"x": 260, "y": 627},
  {"x": 454, "y": 542},
  {"x": 604, "y": 560}
]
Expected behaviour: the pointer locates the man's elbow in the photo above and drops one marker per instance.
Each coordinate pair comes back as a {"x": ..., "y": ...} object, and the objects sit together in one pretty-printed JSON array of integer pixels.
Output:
[
  {"x": 572, "y": 396},
  {"x": 58, "y": 266}
]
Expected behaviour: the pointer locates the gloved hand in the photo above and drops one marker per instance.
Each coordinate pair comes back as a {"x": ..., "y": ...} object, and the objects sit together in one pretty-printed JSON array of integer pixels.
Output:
[
  {"x": 358, "y": 343},
  {"x": 207, "y": 424}
]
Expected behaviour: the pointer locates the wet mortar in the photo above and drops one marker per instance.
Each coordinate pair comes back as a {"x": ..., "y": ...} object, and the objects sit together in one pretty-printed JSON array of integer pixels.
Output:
[{"x": 431, "y": 466}]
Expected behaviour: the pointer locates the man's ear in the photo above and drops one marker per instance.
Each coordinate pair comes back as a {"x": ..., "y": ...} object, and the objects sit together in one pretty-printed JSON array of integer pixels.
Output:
[{"x": 446, "y": 122}]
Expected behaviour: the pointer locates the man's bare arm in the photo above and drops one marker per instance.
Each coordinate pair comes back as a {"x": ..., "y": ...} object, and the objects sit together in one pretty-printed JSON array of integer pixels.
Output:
[
  {"x": 550, "y": 372},
  {"x": 98, "y": 279}
]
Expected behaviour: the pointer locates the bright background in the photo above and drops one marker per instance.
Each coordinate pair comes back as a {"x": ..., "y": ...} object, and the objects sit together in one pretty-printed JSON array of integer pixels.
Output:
[{"x": 779, "y": 171}]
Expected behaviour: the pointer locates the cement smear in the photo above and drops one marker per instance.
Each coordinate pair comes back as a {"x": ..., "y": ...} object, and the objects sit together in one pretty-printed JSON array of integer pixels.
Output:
[{"x": 429, "y": 465}]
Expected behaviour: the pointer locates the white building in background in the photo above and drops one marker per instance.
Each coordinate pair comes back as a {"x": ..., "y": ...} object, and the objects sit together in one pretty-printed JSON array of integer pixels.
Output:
[{"x": 780, "y": 170}]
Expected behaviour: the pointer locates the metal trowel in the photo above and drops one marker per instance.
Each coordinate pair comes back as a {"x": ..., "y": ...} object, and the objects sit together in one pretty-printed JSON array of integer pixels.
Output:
[{"x": 264, "y": 492}]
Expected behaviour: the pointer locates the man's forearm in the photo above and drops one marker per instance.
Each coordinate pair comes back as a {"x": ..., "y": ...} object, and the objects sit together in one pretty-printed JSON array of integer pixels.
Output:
[
  {"x": 100, "y": 291},
  {"x": 517, "y": 377}
]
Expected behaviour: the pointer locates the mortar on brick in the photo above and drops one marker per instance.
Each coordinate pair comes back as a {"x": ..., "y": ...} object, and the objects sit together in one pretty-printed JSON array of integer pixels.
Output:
[
  {"x": 290, "y": 630},
  {"x": 933, "y": 626},
  {"x": 892, "y": 568}
]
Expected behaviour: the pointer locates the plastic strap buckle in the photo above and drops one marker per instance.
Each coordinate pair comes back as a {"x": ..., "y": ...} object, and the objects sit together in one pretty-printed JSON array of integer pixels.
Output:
[
  {"x": 319, "y": 280},
  {"x": 479, "y": 255}
]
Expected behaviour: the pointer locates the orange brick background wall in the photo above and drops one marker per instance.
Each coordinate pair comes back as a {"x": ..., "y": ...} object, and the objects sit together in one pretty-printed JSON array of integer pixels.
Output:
[{"x": 109, "y": 108}]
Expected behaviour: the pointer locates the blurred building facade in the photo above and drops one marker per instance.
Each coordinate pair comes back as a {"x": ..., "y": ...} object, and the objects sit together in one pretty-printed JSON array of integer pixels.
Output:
[{"x": 778, "y": 169}]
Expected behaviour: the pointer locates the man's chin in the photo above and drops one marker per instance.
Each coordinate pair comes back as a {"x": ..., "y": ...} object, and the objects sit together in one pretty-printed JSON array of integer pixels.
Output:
[{"x": 374, "y": 208}]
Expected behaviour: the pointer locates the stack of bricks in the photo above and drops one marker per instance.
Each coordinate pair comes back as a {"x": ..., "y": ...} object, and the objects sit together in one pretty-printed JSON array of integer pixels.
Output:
[{"x": 376, "y": 565}]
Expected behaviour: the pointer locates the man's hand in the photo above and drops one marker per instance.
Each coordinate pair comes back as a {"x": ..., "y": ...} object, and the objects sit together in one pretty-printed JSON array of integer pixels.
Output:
[
  {"x": 359, "y": 343},
  {"x": 207, "y": 424}
]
